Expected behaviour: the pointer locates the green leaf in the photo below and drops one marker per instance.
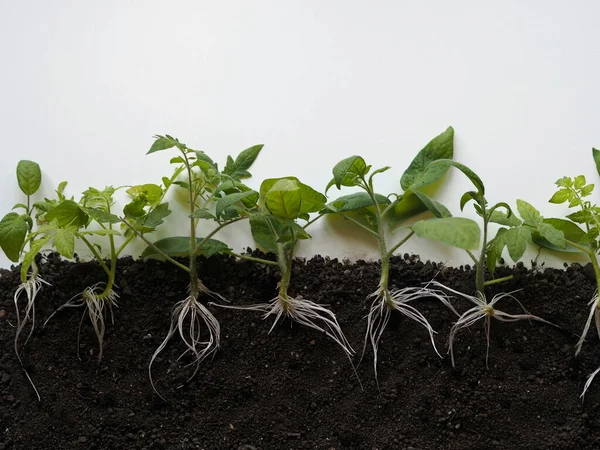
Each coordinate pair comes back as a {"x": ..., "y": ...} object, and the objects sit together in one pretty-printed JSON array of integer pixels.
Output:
[
  {"x": 180, "y": 246},
  {"x": 68, "y": 213},
  {"x": 587, "y": 190},
  {"x": 263, "y": 232},
  {"x": 468, "y": 173},
  {"x": 570, "y": 232},
  {"x": 156, "y": 215},
  {"x": 467, "y": 197},
  {"x": 561, "y": 196},
  {"x": 420, "y": 172},
  {"x": 579, "y": 181},
  {"x": 135, "y": 208},
  {"x": 29, "y": 176},
  {"x": 494, "y": 250},
  {"x": 581, "y": 216},
  {"x": 232, "y": 199},
  {"x": 574, "y": 202},
  {"x": 101, "y": 216},
  {"x": 552, "y": 235},
  {"x": 164, "y": 143},
  {"x": 13, "y": 231},
  {"x": 455, "y": 231},
  {"x": 406, "y": 206},
  {"x": 176, "y": 160},
  {"x": 35, "y": 247},
  {"x": 20, "y": 205},
  {"x": 353, "y": 202},
  {"x": 435, "y": 207},
  {"x": 348, "y": 172},
  {"x": 64, "y": 241},
  {"x": 166, "y": 182},
  {"x": 202, "y": 213},
  {"x": 100, "y": 232},
  {"x": 596, "y": 155},
  {"x": 150, "y": 192},
  {"x": 311, "y": 200},
  {"x": 284, "y": 199},
  {"x": 566, "y": 182},
  {"x": 502, "y": 218},
  {"x": 530, "y": 215},
  {"x": 238, "y": 169},
  {"x": 516, "y": 241}
]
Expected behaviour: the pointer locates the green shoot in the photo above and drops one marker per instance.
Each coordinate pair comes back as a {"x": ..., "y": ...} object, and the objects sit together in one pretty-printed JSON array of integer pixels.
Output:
[
  {"x": 14, "y": 231},
  {"x": 283, "y": 202},
  {"x": 514, "y": 235},
  {"x": 206, "y": 187},
  {"x": 379, "y": 217}
]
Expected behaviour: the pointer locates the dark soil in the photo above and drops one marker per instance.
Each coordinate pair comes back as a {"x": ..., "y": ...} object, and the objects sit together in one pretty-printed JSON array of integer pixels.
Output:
[{"x": 294, "y": 389}]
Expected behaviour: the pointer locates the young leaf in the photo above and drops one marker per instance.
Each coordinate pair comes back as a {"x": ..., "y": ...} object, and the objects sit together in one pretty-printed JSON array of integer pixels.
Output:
[
  {"x": 596, "y": 155},
  {"x": 530, "y": 215},
  {"x": 455, "y": 231},
  {"x": 579, "y": 181},
  {"x": 180, "y": 246},
  {"x": 68, "y": 213},
  {"x": 262, "y": 232},
  {"x": 164, "y": 143},
  {"x": 570, "y": 232},
  {"x": 29, "y": 176},
  {"x": 101, "y": 216},
  {"x": 587, "y": 190},
  {"x": 552, "y": 235},
  {"x": 348, "y": 172},
  {"x": 468, "y": 173},
  {"x": 566, "y": 182},
  {"x": 353, "y": 202},
  {"x": 580, "y": 216},
  {"x": 502, "y": 218},
  {"x": 13, "y": 230},
  {"x": 156, "y": 215},
  {"x": 238, "y": 169},
  {"x": 561, "y": 196},
  {"x": 420, "y": 173},
  {"x": 494, "y": 250},
  {"x": 284, "y": 199},
  {"x": 516, "y": 241},
  {"x": 435, "y": 207},
  {"x": 64, "y": 241},
  {"x": 232, "y": 199},
  {"x": 202, "y": 213}
]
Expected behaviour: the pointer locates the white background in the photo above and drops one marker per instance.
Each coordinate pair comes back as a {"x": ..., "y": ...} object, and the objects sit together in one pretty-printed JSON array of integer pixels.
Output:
[{"x": 85, "y": 84}]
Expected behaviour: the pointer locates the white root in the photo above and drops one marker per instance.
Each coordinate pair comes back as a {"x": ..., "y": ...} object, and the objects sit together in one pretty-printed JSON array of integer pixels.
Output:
[
  {"x": 199, "y": 318},
  {"x": 94, "y": 300},
  {"x": 486, "y": 311},
  {"x": 397, "y": 300},
  {"x": 305, "y": 312},
  {"x": 31, "y": 288},
  {"x": 594, "y": 314}
]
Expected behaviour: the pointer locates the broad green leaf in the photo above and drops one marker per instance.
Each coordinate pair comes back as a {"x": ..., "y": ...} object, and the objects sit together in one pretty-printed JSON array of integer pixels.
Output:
[
  {"x": 20, "y": 205},
  {"x": 530, "y": 215},
  {"x": 464, "y": 169},
  {"x": 420, "y": 172},
  {"x": 135, "y": 208},
  {"x": 203, "y": 157},
  {"x": 349, "y": 171},
  {"x": 238, "y": 169},
  {"x": 286, "y": 229},
  {"x": 284, "y": 199},
  {"x": 406, "y": 206},
  {"x": 202, "y": 213},
  {"x": 311, "y": 200},
  {"x": 435, "y": 207},
  {"x": 164, "y": 143},
  {"x": 596, "y": 155},
  {"x": 580, "y": 216},
  {"x": 579, "y": 181},
  {"x": 101, "y": 216},
  {"x": 34, "y": 248},
  {"x": 570, "y": 232},
  {"x": 574, "y": 202},
  {"x": 353, "y": 202},
  {"x": 561, "y": 196},
  {"x": 180, "y": 246},
  {"x": 232, "y": 199},
  {"x": 152, "y": 193},
  {"x": 29, "y": 176},
  {"x": 494, "y": 250},
  {"x": 455, "y": 231},
  {"x": 552, "y": 235},
  {"x": 587, "y": 190},
  {"x": 263, "y": 232},
  {"x": 68, "y": 213},
  {"x": 156, "y": 215},
  {"x": 502, "y": 218},
  {"x": 100, "y": 232},
  {"x": 63, "y": 241},
  {"x": 13, "y": 231},
  {"x": 516, "y": 241}
]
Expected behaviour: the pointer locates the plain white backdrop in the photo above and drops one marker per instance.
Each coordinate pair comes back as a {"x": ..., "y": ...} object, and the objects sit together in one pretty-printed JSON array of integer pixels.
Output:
[{"x": 85, "y": 85}]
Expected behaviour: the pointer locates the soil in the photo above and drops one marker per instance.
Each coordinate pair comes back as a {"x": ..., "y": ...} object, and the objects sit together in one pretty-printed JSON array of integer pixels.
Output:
[{"x": 294, "y": 388}]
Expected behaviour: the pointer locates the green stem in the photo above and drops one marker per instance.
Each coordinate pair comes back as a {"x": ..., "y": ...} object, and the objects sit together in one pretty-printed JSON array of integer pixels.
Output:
[
  {"x": 310, "y": 222},
  {"x": 253, "y": 259},
  {"x": 399, "y": 244},
  {"x": 347, "y": 217},
  {"x": 470, "y": 253},
  {"x": 95, "y": 253},
  {"x": 480, "y": 275},
  {"x": 194, "y": 288},
  {"x": 284, "y": 260},
  {"x": 198, "y": 247},
  {"x": 594, "y": 262},
  {"x": 498, "y": 280}
]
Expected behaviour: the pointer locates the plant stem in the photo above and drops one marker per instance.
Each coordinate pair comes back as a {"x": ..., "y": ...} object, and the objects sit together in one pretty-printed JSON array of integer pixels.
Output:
[
  {"x": 470, "y": 253},
  {"x": 480, "y": 275},
  {"x": 399, "y": 244},
  {"x": 498, "y": 280},
  {"x": 95, "y": 253},
  {"x": 192, "y": 255},
  {"x": 253, "y": 259},
  {"x": 198, "y": 247},
  {"x": 284, "y": 260},
  {"x": 347, "y": 217}
]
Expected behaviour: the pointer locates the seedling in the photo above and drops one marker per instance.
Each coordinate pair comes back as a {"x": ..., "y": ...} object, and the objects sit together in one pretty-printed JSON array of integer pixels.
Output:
[
  {"x": 275, "y": 227},
  {"x": 14, "y": 230},
  {"x": 64, "y": 221},
  {"x": 514, "y": 235},
  {"x": 380, "y": 217},
  {"x": 206, "y": 186},
  {"x": 574, "y": 192}
]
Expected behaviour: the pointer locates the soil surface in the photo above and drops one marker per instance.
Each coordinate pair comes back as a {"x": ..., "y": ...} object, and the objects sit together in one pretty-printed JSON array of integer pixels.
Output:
[{"x": 294, "y": 388}]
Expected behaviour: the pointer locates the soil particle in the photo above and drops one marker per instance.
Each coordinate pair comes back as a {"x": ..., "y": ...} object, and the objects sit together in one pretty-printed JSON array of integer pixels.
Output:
[{"x": 294, "y": 388}]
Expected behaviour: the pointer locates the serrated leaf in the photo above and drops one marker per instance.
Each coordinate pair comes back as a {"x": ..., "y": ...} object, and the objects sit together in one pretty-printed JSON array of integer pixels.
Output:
[
  {"x": 29, "y": 176},
  {"x": 579, "y": 181},
  {"x": 349, "y": 171},
  {"x": 13, "y": 231},
  {"x": 180, "y": 246},
  {"x": 516, "y": 241},
  {"x": 561, "y": 196},
  {"x": 574, "y": 202},
  {"x": 202, "y": 213},
  {"x": 101, "y": 216},
  {"x": 420, "y": 172},
  {"x": 135, "y": 208},
  {"x": 100, "y": 232},
  {"x": 566, "y": 182},
  {"x": 231, "y": 199},
  {"x": 67, "y": 213},
  {"x": 164, "y": 143},
  {"x": 530, "y": 215},
  {"x": 552, "y": 235},
  {"x": 580, "y": 216},
  {"x": 455, "y": 231},
  {"x": 238, "y": 169},
  {"x": 156, "y": 216},
  {"x": 587, "y": 190},
  {"x": 353, "y": 202},
  {"x": 571, "y": 232}
]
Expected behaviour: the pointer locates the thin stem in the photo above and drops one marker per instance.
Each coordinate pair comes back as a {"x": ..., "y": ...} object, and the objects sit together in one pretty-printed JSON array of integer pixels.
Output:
[
  {"x": 253, "y": 259},
  {"x": 154, "y": 247},
  {"x": 498, "y": 280},
  {"x": 95, "y": 253},
  {"x": 347, "y": 217},
  {"x": 198, "y": 247},
  {"x": 192, "y": 255},
  {"x": 470, "y": 253},
  {"x": 310, "y": 222},
  {"x": 399, "y": 244},
  {"x": 480, "y": 275}
]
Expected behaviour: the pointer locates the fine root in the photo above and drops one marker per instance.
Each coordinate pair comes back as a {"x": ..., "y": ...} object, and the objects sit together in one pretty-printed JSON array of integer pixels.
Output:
[
  {"x": 199, "y": 318},
  {"x": 594, "y": 314},
  {"x": 95, "y": 299},
  {"x": 386, "y": 302}
]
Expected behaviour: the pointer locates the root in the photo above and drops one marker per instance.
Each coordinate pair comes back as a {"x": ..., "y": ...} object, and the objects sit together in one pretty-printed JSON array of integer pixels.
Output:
[
  {"x": 594, "y": 314},
  {"x": 94, "y": 300},
  {"x": 305, "y": 312},
  {"x": 199, "y": 318},
  {"x": 397, "y": 300},
  {"x": 31, "y": 289}
]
